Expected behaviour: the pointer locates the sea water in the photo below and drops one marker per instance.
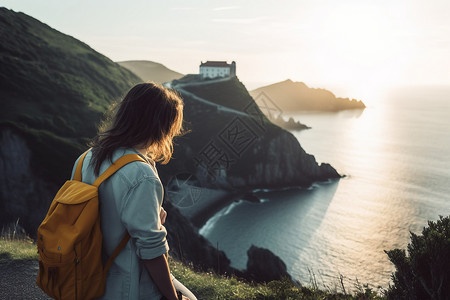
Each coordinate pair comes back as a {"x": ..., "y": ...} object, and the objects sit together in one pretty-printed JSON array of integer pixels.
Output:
[{"x": 395, "y": 155}]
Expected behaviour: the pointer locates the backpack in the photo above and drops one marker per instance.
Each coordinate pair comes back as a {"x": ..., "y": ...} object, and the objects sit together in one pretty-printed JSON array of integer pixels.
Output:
[{"x": 69, "y": 240}]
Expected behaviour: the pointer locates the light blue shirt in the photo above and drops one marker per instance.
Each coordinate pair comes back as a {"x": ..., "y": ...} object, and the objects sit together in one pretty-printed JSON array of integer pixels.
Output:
[{"x": 130, "y": 200}]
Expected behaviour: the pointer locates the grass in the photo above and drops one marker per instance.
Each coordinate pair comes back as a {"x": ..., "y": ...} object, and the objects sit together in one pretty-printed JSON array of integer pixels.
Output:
[
  {"x": 15, "y": 245},
  {"x": 232, "y": 94},
  {"x": 207, "y": 285},
  {"x": 17, "y": 249}
]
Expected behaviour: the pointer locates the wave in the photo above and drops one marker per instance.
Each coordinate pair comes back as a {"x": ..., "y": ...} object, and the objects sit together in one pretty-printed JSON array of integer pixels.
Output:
[{"x": 209, "y": 225}]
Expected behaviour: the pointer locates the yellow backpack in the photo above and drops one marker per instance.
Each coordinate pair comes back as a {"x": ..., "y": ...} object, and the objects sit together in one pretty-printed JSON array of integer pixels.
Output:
[{"x": 69, "y": 240}]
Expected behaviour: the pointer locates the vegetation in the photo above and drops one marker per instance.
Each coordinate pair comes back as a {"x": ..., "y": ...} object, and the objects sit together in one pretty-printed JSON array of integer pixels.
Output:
[
  {"x": 16, "y": 245},
  {"x": 54, "y": 90},
  {"x": 205, "y": 285},
  {"x": 231, "y": 93},
  {"x": 24, "y": 249},
  {"x": 424, "y": 273},
  {"x": 421, "y": 275},
  {"x": 52, "y": 82}
]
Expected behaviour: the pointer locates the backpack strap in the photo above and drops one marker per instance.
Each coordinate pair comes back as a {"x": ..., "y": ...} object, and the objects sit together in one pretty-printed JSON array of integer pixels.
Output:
[
  {"x": 126, "y": 159},
  {"x": 77, "y": 175},
  {"x": 122, "y": 161},
  {"x": 116, "y": 252}
]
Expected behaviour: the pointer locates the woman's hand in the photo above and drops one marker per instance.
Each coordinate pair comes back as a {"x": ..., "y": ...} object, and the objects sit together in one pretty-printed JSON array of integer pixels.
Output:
[{"x": 163, "y": 215}]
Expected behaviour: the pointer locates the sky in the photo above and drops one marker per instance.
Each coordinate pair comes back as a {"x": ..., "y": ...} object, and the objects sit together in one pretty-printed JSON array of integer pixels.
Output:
[{"x": 355, "y": 48}]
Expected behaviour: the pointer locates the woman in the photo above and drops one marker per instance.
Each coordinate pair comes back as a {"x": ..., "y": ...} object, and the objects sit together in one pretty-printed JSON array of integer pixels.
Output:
[{"x": 145, "y": 123}]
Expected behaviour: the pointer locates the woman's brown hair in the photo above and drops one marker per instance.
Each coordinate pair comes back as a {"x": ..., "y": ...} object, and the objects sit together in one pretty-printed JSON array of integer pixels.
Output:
[{"x": 149, "y": 116}]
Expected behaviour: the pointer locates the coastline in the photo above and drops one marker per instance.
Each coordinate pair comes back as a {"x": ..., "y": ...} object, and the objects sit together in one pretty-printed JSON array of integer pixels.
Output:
[{"x": 200, "y": 218}]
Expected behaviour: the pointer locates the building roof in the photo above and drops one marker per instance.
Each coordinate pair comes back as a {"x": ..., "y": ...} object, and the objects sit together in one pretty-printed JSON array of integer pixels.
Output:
[{"x": 222, "y": 64}]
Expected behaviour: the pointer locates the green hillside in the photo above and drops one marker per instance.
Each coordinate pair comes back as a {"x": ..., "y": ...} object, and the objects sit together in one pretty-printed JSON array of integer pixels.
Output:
[
  {"x": 54, "y": 90},
  {"x": 53, "y": 82},
  {"x": 231, "y": 93},
  {"x": 150, "y": 71}
]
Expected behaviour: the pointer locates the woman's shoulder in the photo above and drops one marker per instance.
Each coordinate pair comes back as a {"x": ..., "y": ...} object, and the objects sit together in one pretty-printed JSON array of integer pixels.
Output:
[{"x": 136, "y": 171}]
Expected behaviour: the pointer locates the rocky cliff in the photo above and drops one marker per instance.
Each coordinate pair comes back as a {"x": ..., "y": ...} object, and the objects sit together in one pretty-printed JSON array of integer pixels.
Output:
[
  {"x": 24, "y": 195},
  {"x": 232, "y": 145},
  {"x": 28, "y": 173},
  {"x": 264, "y": 266}
]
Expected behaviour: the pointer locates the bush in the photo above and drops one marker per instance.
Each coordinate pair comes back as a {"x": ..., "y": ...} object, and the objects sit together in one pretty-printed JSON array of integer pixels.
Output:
[{"x": 425, "y": 273}]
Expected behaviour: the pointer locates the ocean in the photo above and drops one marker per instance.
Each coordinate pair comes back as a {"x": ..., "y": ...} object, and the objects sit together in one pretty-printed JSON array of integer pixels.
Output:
[{"x": 395, "y": 156}]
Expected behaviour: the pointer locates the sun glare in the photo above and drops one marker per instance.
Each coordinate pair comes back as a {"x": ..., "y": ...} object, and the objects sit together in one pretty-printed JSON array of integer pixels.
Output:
[
  {"x": 357, "y": 46},
  {"x": 357, "y": 36}
]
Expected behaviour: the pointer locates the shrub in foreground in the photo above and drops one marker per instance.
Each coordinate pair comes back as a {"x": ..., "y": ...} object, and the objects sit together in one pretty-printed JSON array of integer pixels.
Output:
[{"x": 425, "y": 273}]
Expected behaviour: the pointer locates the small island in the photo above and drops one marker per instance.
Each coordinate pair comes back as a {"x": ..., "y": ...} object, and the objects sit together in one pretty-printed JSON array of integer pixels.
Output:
[{"x": 290, "y": 124}]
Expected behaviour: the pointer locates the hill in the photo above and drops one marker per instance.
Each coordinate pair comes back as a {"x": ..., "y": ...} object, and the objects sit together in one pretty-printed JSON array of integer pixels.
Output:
[
  {"x": 297, "y": 96},
  {"x": 53, "y": 91},
  {"x": 263, "y": 155},
  {"x": 150, "y": 71}
]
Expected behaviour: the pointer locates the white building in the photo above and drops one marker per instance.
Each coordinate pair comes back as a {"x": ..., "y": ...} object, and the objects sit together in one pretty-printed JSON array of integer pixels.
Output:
[{"x": 213, "y": 69}]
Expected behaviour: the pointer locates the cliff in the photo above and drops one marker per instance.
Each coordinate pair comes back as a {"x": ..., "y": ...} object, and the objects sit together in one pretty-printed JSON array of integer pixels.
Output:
[
  {"x": 297, "y": 96},
  {"x": 232, "y": 145},
  {"x": 231, "y": 149},
  {"x": 23, "y": 194}
]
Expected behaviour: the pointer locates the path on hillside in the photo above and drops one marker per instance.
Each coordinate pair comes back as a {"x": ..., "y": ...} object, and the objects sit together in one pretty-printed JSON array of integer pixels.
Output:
[
  {"x": 18, "y": 280},
  {"x": 180, "y": 87},
  {"x": 218, "y": 106},
  {"x": 205, "y": 82}
]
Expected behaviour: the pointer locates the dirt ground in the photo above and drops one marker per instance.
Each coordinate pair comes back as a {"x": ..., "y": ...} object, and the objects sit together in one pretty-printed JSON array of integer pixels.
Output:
[{"x": 17, "y": 280}]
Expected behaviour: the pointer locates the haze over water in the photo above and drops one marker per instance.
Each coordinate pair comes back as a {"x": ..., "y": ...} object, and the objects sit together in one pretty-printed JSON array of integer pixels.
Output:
[{"x": 396, "y": 158}]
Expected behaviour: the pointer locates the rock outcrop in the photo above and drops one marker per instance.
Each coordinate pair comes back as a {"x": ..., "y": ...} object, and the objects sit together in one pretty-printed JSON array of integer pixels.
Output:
[
  {"x": 24, "y": 195},
  {"x": 264, "y": 266}
]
